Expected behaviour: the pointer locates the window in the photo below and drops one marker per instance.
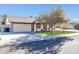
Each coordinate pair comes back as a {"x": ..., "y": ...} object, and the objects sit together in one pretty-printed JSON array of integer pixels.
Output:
[{"x": 38, "y": 25}]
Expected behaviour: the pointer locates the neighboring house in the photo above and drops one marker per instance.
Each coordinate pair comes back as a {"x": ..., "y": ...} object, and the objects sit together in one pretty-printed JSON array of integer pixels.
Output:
[
  {"x": 62, "y": 25},
  {"x": 23, "y": 24},
  {"x": 72, "y": 23},
  {"x": 65, "y": 25}
]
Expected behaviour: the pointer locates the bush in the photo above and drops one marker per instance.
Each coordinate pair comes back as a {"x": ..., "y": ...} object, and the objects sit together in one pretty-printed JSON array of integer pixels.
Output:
[{"x": 76, "y": 26}]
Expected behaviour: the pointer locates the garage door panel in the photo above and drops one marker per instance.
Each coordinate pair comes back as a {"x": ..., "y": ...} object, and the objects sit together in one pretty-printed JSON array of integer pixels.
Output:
[{"x": 21, "y": 27}]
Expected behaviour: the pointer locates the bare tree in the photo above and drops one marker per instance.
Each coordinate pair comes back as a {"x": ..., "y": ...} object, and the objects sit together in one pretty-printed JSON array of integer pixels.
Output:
[
  {"x": 56, "y": 16},
  {"x": 43, "y": 18},
  {"x": 66, "y": 20}
]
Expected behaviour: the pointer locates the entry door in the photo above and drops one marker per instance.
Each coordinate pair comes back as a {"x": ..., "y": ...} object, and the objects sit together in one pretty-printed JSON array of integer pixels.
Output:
[{"x": 45, "y": 27}]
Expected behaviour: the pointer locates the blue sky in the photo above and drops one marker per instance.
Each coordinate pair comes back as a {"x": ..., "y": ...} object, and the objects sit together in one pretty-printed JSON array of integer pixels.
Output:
[{"x": 71, "y": 10}]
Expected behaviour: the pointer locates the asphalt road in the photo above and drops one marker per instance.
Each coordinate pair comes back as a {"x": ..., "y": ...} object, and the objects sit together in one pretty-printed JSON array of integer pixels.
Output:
[{"x": 71, "y": 47}]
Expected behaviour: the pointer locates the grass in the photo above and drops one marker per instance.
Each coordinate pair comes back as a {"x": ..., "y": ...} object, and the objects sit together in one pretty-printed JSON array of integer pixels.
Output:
[{"x": 57, "y": 32}]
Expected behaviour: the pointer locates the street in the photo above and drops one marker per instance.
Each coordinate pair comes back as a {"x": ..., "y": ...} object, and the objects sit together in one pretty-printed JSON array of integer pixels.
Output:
[{"x": 71, "y": 47}]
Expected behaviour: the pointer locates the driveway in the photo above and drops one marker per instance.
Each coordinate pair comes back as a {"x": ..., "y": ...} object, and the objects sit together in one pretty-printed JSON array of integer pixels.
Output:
[
  {"x": 17, "y": 38},
  {"x": 7, "y": 38}
]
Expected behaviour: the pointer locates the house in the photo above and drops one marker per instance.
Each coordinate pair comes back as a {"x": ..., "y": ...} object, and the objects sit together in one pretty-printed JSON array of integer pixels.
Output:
[
  {"x": 23, "y": 24},
  {"x": 64, "y": 25}
]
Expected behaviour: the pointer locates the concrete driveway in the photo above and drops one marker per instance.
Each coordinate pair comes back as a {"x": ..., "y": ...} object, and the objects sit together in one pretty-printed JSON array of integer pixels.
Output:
[{"x": 7, "y": 38}]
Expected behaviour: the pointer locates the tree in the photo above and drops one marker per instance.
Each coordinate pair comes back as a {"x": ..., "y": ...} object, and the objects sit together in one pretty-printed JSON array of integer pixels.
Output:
[
  {"x": 76, "y": 26},
  {"x": 65, "y": 22},
  {"x": 4, "y": 18},
  {"x": 56, "y": 16},
  {"x": 43, "y": 18}
]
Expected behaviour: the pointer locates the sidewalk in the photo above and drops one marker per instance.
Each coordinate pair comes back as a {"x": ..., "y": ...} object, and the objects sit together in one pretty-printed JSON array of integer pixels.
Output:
[
  {"x": 68, "y": 35},
  {"x": 68, "y": 30}
]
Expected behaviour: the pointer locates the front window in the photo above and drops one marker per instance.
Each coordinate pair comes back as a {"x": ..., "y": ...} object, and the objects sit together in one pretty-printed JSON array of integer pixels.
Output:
[{"x": 38, "y": 25}]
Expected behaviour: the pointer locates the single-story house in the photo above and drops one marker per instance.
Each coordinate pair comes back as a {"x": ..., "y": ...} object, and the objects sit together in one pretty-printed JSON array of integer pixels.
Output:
[{"x": 23, "y": 24}]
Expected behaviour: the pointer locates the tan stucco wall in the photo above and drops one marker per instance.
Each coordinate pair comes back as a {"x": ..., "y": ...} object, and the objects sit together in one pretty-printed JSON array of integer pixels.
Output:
[
  {"x": 38, "y": 29},
  {"x": 47, "y": 27}
]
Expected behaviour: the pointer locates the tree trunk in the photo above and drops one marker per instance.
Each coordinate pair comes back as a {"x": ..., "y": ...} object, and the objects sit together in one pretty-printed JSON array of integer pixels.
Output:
[{"x": 53, "y": 27}]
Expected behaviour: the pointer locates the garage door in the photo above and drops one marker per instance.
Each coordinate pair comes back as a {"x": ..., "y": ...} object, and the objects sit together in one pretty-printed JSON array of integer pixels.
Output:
[{"x": 21, "y": 27}]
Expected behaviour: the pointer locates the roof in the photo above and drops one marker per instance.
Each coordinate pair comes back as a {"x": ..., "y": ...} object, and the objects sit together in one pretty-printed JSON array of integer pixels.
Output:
[{"x": 21, "y": 19}]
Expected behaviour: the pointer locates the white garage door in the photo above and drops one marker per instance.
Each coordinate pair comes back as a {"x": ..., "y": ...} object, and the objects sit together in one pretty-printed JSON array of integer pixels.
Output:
[{"x": 21, "y": 27}]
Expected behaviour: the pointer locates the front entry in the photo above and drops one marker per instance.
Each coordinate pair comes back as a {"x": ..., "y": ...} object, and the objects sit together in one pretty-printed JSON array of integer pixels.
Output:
[
  {"x": 44, "y": 27},
  {"x": 38, "y": 27}
]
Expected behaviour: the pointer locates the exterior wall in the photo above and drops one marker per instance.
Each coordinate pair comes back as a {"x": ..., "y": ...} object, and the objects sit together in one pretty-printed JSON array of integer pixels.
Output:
[
  {"x": 63, "y": 25},
  {"x": 70, "y": 26},
  {"x": 21, "y": 27},
  {"x": 48, "y": 27},
  {"x": 38, "y": 29},
  {"x": 34, "y": 27},
  {"x": 41, "y": 26}
]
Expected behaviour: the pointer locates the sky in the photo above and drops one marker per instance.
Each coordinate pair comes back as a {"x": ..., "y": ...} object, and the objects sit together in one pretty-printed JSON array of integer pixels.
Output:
[{"x": 70, "y": 10}]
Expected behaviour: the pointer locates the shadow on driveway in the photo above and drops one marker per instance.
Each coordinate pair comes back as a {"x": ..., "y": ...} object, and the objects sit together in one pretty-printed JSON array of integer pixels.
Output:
[{"x": 41, "y": 47}]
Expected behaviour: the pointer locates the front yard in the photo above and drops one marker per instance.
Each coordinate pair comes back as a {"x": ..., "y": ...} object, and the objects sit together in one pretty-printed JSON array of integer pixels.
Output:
[{"x": 57, "y": 32}]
